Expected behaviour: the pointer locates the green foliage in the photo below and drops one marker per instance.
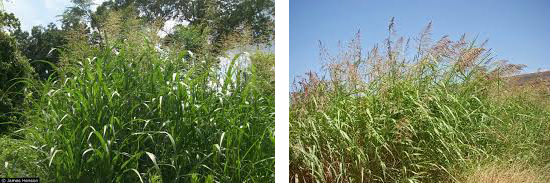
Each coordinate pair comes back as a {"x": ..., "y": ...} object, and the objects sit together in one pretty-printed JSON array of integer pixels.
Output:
[
  {"x": 124, "y": 108},
  {"x": 130, "y": 118},
  {"x": 223, "y": 17},
  {"x": 37, "y": 46},
  {"x": 77, "y": 15},
  {"x": 430, "y": 118},
  {"x": 228, "y": 16},
  {"x": 17, "y": 158},
  {"x": 191, "y": 37},
  {"x": 13, "y": 68},
  {"x": 8, "y": 21},
  {"x": 264, "y": 65}
]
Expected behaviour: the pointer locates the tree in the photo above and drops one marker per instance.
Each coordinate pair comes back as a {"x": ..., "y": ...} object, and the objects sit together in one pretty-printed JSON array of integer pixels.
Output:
[
  {"x": 222, "y": 17},
  {"x": 13, "y": 66},
  {"x": 37, "y": 46},
  {"x": 9, "y": 22},
  {"x": 77, "y": 15},
  {"x": 229, "y": 16},
  {"x": 189, "y": 37}
]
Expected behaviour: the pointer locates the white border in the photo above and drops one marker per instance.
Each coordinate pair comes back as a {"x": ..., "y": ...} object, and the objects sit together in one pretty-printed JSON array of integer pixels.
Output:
[{"x": 281, "y": 91}]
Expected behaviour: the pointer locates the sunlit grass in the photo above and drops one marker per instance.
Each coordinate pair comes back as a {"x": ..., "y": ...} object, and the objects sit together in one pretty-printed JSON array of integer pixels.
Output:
[
  {"x": 430, "y": 117},
  {"x": 146, "y": 117}
]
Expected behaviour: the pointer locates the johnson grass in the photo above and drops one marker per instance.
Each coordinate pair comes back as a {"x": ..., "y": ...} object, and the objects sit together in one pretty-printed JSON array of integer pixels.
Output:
[
  {"x": 145, "y": 116},
  {"x": 448, "y": 112}
]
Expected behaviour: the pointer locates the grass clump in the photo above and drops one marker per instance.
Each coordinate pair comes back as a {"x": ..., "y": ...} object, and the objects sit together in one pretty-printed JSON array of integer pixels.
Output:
[
  {"x": 392, "y": 116},
  {"x": 138, "y": 115}
]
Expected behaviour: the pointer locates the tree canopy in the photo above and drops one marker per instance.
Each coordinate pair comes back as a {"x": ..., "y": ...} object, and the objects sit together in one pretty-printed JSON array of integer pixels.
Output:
[
  {"x": 37, "y": 46},
  {"x": 13, "y": 67},
  {"x": 223, "y": 17}
]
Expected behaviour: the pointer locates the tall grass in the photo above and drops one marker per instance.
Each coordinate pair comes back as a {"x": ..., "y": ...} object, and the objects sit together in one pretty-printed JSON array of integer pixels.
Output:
[
  {"x": 142, "y": 116},
  {"x": 432, "y": 116}
]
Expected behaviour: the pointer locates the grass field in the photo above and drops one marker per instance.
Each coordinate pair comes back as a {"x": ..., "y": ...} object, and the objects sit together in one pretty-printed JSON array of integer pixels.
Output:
[
  {"x": 445, "y": 113},
  {"x": 138, "y": 115}
]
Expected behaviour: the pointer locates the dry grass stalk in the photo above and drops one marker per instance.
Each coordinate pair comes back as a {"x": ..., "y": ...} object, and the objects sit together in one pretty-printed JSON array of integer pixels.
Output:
[{"x": 506, "y": 174}]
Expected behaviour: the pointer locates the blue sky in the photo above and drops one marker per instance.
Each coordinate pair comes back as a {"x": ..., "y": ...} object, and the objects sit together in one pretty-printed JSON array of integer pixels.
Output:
[
  {"x": 42, "y": 12},
  {"x": 38, "y": 12},
  {"x": 518, "y": 31}
]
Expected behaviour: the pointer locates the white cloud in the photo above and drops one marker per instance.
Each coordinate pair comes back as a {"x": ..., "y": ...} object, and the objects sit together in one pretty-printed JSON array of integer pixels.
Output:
[{"x": 36, "y": 12}]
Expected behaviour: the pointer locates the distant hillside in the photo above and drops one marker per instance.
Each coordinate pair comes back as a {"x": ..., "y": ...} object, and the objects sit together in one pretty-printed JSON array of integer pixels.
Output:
[{"x": 532, "y": 78}]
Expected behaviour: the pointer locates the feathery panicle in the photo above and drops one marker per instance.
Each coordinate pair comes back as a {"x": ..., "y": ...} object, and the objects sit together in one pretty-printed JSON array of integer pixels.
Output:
[
  {"x": 442, "y": 48},
  {"x": 469, "y": 58},
  {"x": 383, "y": 116},
  {"x": 425, "y": 38}
]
